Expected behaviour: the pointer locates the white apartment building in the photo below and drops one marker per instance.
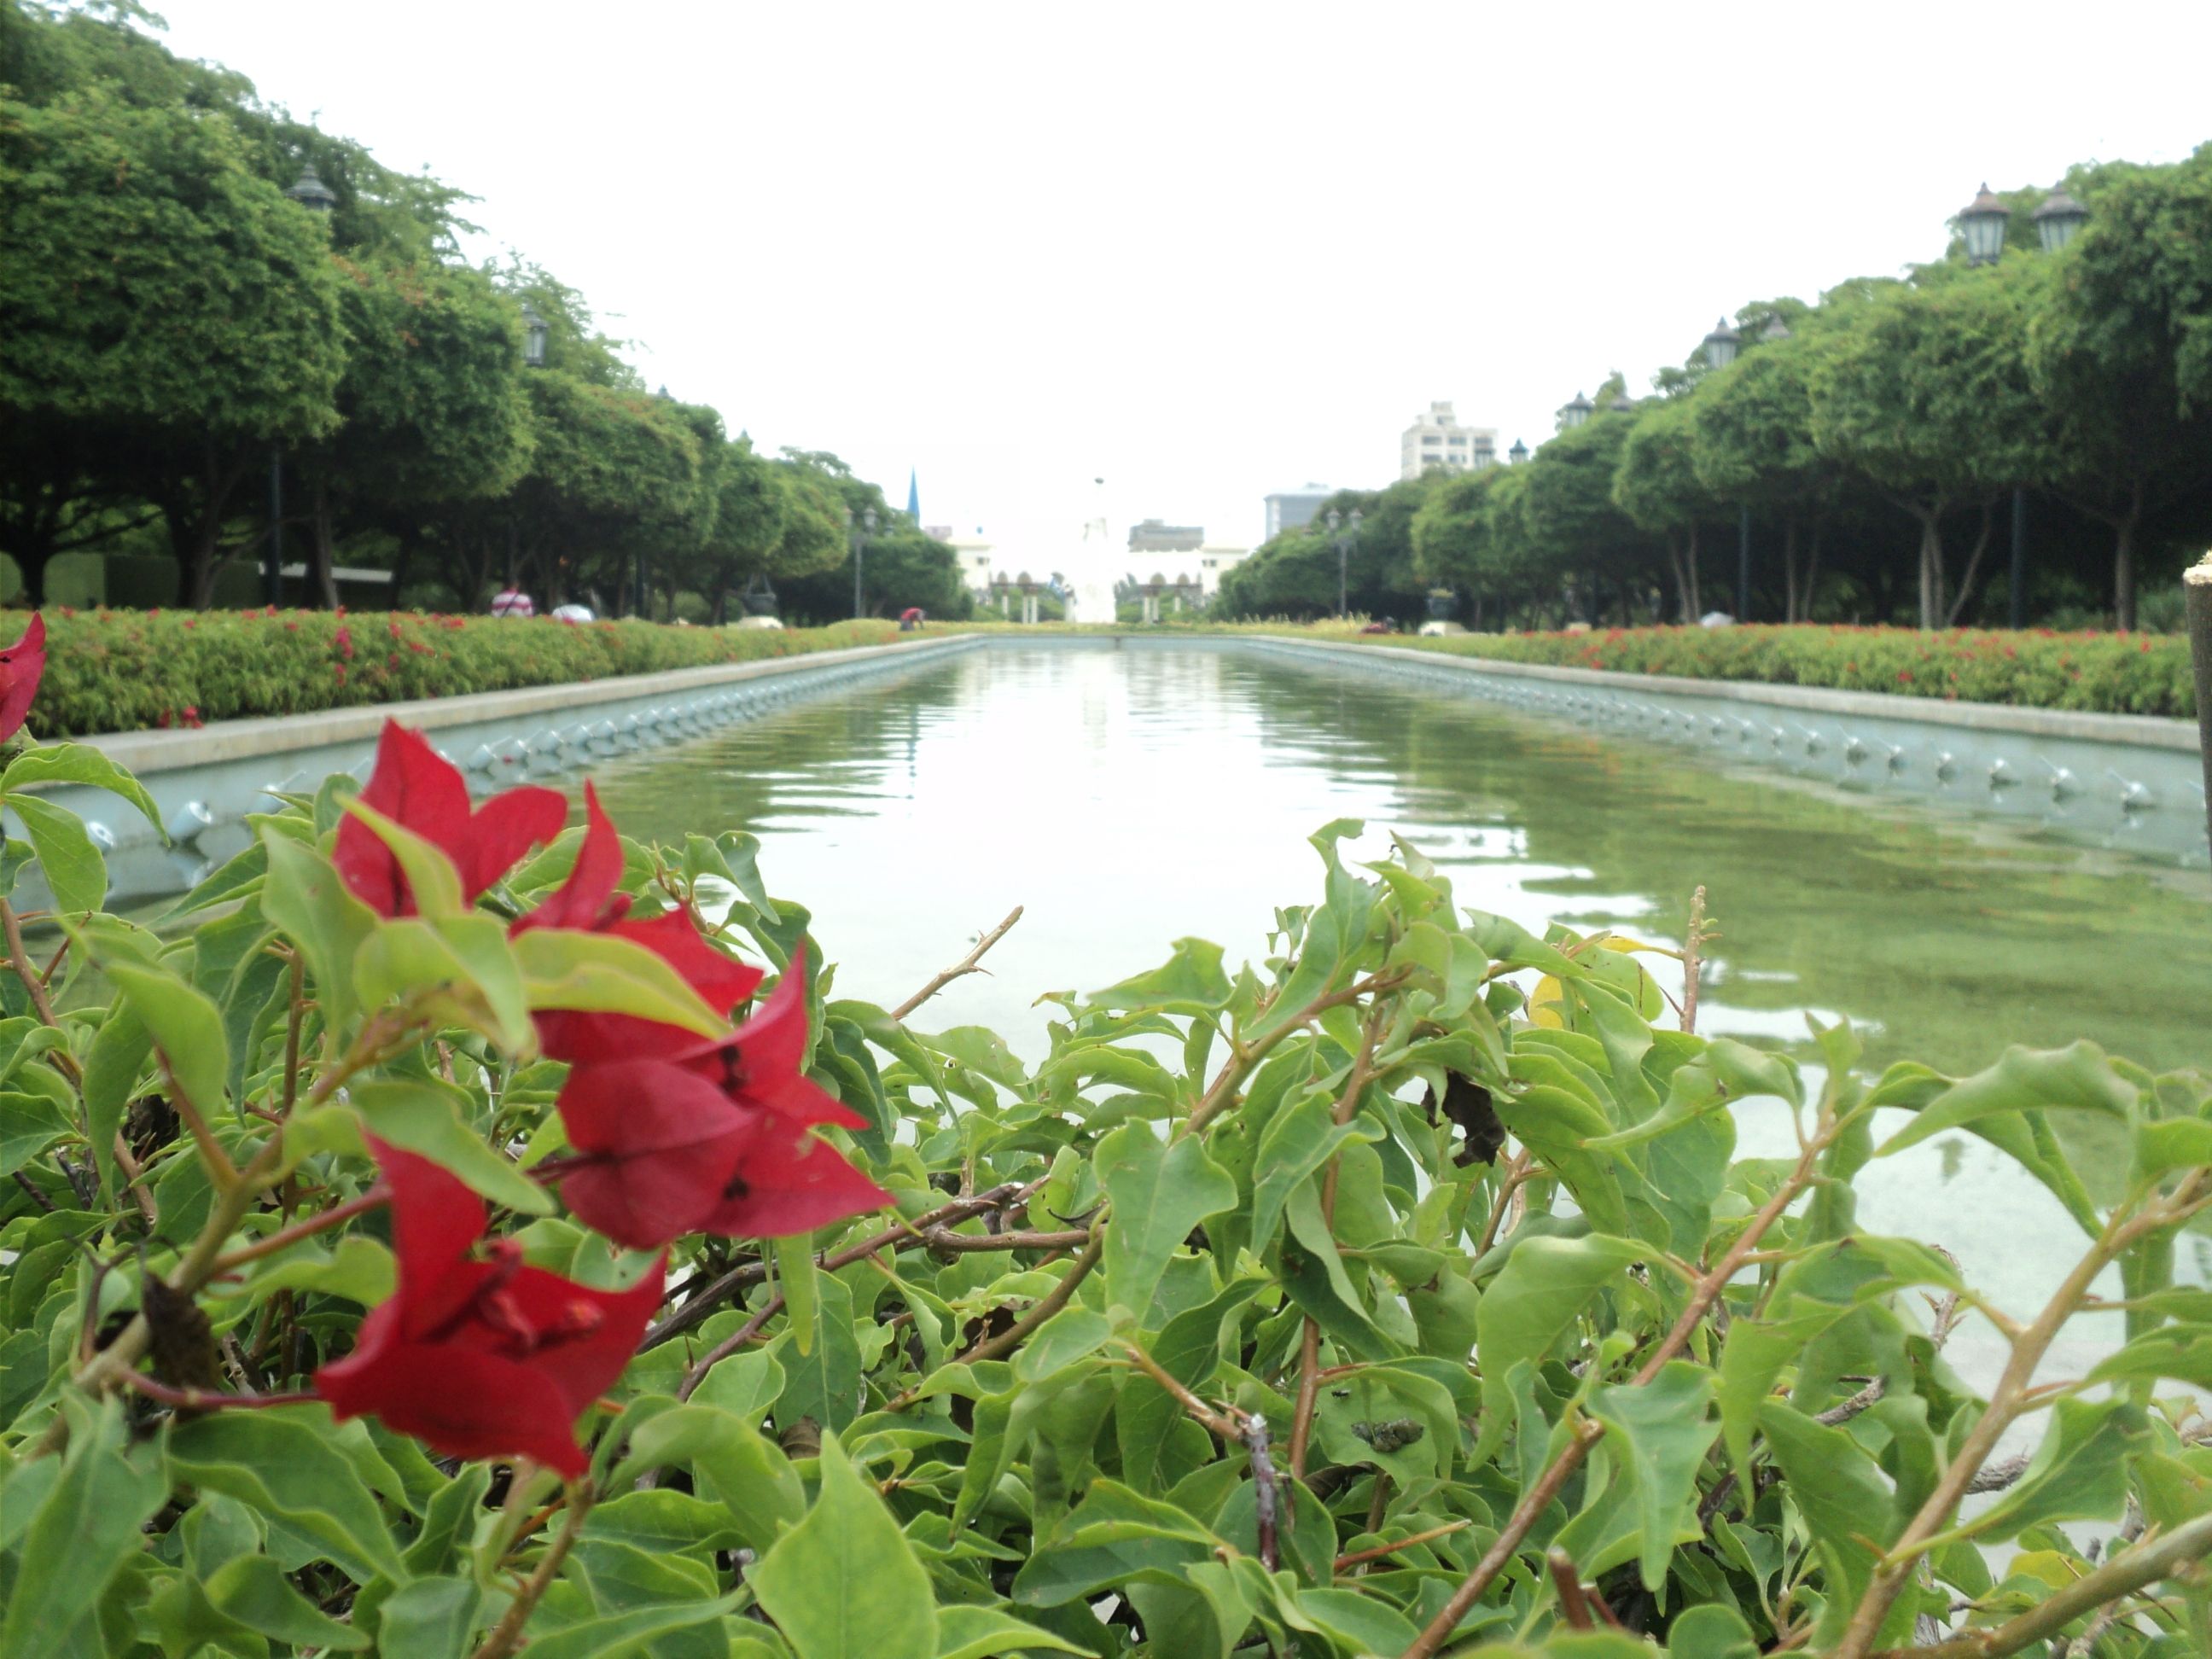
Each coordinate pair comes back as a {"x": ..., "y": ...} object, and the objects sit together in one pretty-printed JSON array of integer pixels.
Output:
[
  {"x": 975, "y": 554},
  {"x": 1436, "y": 439}
]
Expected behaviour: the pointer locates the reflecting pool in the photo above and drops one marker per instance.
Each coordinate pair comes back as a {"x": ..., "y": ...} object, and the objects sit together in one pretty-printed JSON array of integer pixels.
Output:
[{"x": 1127, "y": 797}]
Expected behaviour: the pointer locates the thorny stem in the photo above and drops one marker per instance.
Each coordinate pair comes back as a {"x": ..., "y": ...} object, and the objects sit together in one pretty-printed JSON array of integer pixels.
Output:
[
  {"x": 1011, "y": 1338},
  {"x": 211, "y": 1153},
  {"x": 1567, "y": 1580},
  {"x": 1360, "y": 1558},
  {"x": 375, "y": 1196},
  {"x": 1519, "y": 1172},
  {"x": 211, "y": 1400},
  {"x": 2121, "y": 1576},
  {"x": 900, "y": 1235},
  {"x": 1347, "y": 1104},
  {"x": 1586, "y": 1434},
  {"x": 1693, "y": 947},
  {"x": 1243, "y": 1056},
  {"x": 966, "y": 965},
  {"x": 2007, "y": 1401},
  {"x": 1249, "y": 1431},
  {"x": 506, "y": 1635}
]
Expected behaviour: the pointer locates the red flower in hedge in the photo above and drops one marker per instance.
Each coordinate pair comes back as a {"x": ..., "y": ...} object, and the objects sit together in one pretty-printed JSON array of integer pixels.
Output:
[
  {"x": 416, "y": 787},
  {"x": 21, "y": 666},
  {"x": 712, "y": 1138},
  {"x": 475, "y": 1354},
  {"x": 588, "y": 902}
]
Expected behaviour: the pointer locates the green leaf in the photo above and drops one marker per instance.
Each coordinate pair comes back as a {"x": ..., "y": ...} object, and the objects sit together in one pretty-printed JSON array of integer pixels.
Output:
[
  {"x": 1297, "y": 1142},
  {"x": 424, "y": 1117},
  {"x": 79, "y": 762},
  {"x": 305, "y": 896},
  {"x": 743, "y": 1468},
  {"x": 83, "y": 1526},
  {"x": 1108, "y": 1538},
  {"x": 458, "y": 969},
  {"x": 796, "y": 1276},
  {"x": 1159, "y": 1194},
  {"x": 603, "y": 973},
  {"x": 432, "y": 881},
  {"x": 28, "y": 1125},
  {"x": 1667, "y": 1430},
  {"x": 76, "y": 874},
  {"x": 1536, "y": 1297},
  {"x": 1189, "y": 981},
  {"x": 2182, "y": 1352},
  {"x": 252, "y": 1590},
  {"x": 429, "y": 1619},
  {"x": 1713, "y": 1631},
  {"x": 2077, "y": 1076},
  {"x": 1845, "y": 1505},
  {"x": 186, "y": 1027},
  {"x": 2079, "y": 1472},
  {"x": 284, "y": 1462},
  {"x": 844, "y": 1583},
  {"x": 622, "y": 1632},
  {"x": 824, "y": 1381},
  {"x": 973, "y": 1632}
]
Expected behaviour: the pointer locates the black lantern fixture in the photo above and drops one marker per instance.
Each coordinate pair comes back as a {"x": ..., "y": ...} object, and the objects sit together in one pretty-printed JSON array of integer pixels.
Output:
[
  {"x": 1574, "y": 414},
  {"x": 2059, "y": 218},
  {"x": 1722, "y": 345},
  {"x": 535, "y": 332},
  {"x": 663, "y": 396},
  {"x": 1982, "y": 222},
  {"x": 1518, "y": 453},
  {"x": 1776, "y": 329},
  {"x": 309, "y": 190},
  {"x": 859, "y": 534},
  {"x": 1624, "y": 404}
]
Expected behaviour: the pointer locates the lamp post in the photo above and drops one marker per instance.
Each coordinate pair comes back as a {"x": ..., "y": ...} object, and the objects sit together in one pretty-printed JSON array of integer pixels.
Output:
[
  {"x": 1982, "y": 224},
  {"x": 643, "y": 607},
  {"x": 1518, "y": 453},
  {"x": 860, "y": 533},
  {"x": 535, "y": 329},
  {"x": 1573, "y": 415},
  {"x": 1720, "y": 347},
  {"x": 1345, "y": 532},
  {"x": 309, "y": 190},
  {"x": 2059, "y": 218}
]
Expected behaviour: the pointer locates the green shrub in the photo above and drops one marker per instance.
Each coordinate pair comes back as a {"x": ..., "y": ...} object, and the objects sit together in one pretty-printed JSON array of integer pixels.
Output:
[
  {"x": 124, "y": 670},
  {"x": 2039, "y": 668}
]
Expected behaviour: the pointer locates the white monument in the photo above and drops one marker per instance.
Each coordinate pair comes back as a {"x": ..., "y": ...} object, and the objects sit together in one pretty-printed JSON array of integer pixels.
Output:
[{"x": 1096, "y": 565}]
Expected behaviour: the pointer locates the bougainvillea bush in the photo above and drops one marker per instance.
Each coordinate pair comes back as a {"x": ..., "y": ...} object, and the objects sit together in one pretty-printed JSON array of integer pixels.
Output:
[
  {"x": 2036, "y": 668},
  {"x": 447, "y": 1234},
  {"x": 128, "y": 671}
]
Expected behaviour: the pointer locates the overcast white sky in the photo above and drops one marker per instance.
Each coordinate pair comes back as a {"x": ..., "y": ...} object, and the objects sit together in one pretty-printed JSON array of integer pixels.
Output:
[{"x": 1206, "y": 250}]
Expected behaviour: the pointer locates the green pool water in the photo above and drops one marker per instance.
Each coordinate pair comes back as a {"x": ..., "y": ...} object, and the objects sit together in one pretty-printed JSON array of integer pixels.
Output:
[{"x": 1129, "y": 797}]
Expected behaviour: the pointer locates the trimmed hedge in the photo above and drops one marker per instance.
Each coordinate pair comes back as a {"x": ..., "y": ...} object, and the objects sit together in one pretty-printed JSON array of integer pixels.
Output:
[
  {"x": 126, "y": 671},
  {"x": 2039, "y": 668}
]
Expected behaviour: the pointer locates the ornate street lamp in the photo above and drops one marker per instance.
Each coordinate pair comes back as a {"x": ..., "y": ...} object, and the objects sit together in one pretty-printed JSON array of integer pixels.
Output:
[
  {"x": 860, "y": 534},
  {"x": 2059, "y": 218},
  {"x": 1982, "y": 222},
  {"x": 1518, "y": 453},
  {"x": 1345, "y": 532},
  {"x": 535, "y": 332},
  {"x": 1574, "y": 414},
  {"x": 1722, "y": 345},
  {"x": 1776, "y": 329},
  {"x": 309, "y": 190},
  {"x": 1624, "y": 404}
]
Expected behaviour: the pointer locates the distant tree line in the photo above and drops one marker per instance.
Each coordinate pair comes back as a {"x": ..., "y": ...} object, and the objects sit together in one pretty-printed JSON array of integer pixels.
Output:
[
  {"x": 171, "y": 319},
  {"x": 1875, "y": 441}
]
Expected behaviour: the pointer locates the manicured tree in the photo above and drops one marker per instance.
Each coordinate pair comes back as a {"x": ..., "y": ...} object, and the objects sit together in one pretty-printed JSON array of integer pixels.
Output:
[
  {"x": 1576, "y": 530},
  {"x": 433, "y": 399},
  {"x": 1926, "y": 390},
  {"x": 1657, "y": 483},
  {"x": 2122, "y": 355},
  {"x": 169, "y": 313}
]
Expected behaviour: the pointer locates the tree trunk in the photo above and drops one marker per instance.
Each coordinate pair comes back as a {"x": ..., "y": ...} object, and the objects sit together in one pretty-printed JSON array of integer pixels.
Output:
[
  {"x": 2123, "y": 560},
  {"x": 1695, "y": 607},
  {"x": 321, "y": 576},
  {"x": 1792, "y": 596},
  {"x": 1478, "y": 610},
  {"x": 1973, "y": 564},
  {"x": 1931, "y": 569},
  {"x": 1812, "y": 569}
]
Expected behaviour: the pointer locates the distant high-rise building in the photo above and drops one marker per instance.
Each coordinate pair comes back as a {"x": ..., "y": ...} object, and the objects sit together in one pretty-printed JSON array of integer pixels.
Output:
[
  {"x": 1436, "y": 439},
  {"x": 1289, "y": 510}
]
